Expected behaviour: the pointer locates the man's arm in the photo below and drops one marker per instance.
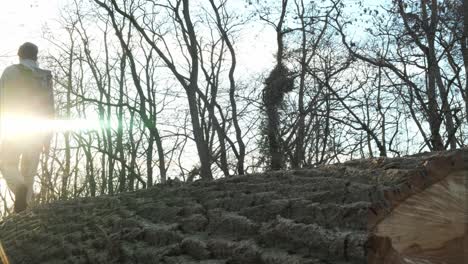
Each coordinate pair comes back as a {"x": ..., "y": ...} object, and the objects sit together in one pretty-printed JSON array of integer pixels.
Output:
[{"x": 3, "y": 83}]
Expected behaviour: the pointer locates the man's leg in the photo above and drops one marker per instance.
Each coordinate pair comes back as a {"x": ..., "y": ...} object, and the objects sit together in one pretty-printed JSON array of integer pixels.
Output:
[
  {"x": 9, "y": 161},
  {"x": 9, "y": 165},
  {"x": 29, "y": 164}
]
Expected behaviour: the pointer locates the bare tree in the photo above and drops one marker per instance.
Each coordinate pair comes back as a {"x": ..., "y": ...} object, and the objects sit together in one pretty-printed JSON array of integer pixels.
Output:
[
  {"x": 420, "y": 29},
  {"x": 279, "y": 82}
]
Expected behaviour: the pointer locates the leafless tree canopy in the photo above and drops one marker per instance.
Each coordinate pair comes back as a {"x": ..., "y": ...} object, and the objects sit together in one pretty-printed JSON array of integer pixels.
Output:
[{"x": 347, "y": 80}]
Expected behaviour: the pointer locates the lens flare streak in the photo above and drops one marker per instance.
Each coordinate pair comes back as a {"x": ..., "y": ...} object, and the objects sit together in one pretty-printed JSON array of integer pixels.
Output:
[{"x": 13, "y": 126}]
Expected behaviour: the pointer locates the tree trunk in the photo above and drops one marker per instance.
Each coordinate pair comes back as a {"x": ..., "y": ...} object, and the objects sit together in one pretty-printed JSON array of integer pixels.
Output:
[
  {"x": 383, "y": 211},
  {"x": 273, "y": 96},
  {"x": 464, "y": 42},
  {"x": 299, "y": 150},
  {"x": 200, "y": 142}
]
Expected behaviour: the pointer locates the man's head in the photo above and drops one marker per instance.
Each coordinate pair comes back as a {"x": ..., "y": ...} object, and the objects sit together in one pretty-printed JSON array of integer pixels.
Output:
[{"x": 28, "y": 51}]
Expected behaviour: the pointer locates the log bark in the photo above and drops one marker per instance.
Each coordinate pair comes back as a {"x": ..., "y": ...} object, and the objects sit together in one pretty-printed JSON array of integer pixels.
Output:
[{"x": 399, "y": 211}]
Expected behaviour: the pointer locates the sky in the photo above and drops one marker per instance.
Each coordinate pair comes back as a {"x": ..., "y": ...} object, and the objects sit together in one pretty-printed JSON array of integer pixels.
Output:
[
  {"x": 24, "y": 20},
  {"x": 21, "y": 21}
]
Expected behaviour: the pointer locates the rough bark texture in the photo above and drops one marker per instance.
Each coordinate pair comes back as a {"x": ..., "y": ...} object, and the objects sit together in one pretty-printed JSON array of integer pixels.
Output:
[{"x": 322, "y": 215}]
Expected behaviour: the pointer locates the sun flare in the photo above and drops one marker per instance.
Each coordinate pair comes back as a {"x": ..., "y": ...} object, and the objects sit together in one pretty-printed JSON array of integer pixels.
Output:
[{"x": 21, "y": 125}]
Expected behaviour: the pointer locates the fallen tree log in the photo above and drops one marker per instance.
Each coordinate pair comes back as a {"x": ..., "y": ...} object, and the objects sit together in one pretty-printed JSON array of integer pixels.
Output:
[
  {"x": 425, "y": 219},
  {"x": 399, "y": 211}
]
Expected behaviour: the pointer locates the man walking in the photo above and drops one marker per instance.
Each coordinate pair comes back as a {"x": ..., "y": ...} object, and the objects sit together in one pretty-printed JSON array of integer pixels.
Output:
[{"x": 25, "y": 94}]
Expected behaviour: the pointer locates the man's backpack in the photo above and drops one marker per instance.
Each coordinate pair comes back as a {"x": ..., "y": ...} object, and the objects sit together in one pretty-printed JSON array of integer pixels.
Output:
[{"x": 29, "y": 92}]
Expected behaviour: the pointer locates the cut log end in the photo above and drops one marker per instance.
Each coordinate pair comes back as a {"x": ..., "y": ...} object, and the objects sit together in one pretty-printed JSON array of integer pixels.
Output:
[{"x": 428, "y": 227}]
